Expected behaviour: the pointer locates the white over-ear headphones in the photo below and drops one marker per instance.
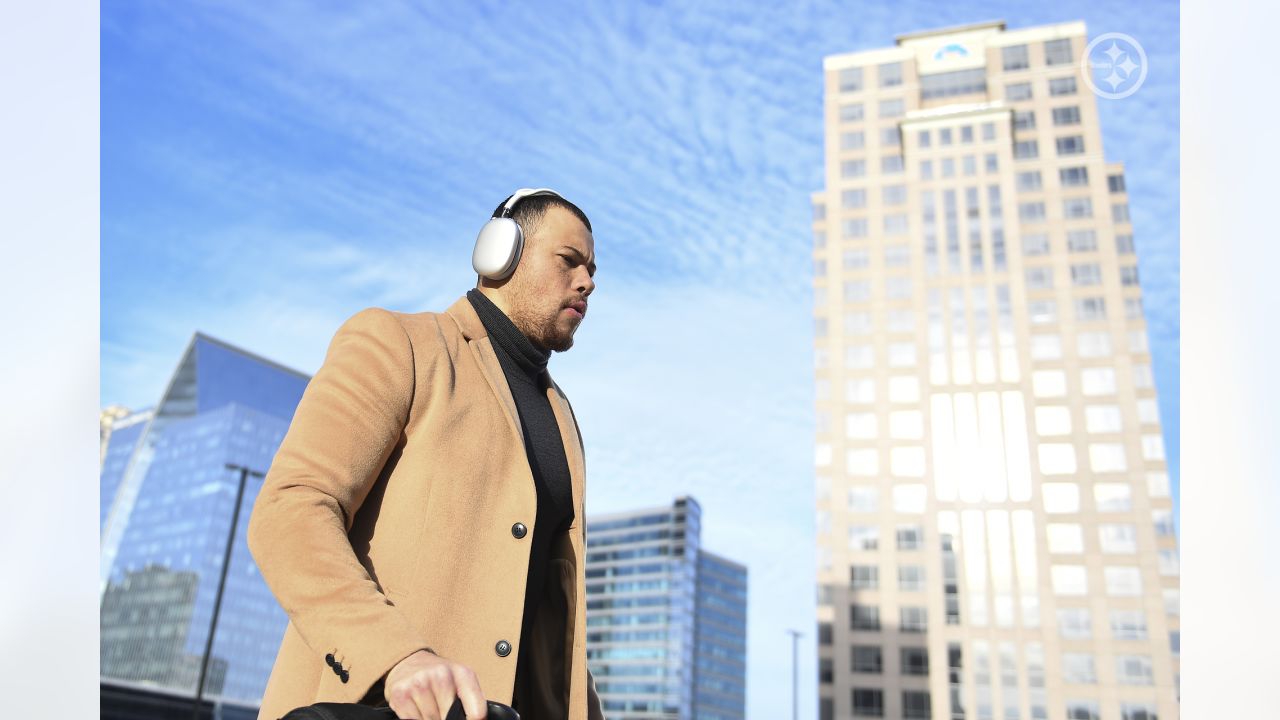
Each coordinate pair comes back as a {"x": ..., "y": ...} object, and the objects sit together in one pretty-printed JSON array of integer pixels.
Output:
[{"x": 500, "y": 242}]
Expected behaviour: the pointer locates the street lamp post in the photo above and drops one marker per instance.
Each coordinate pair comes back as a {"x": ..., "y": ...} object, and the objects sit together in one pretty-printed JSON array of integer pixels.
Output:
[
  {"x": 222, "y": 583},
  {"x": 795, "y": 698}
]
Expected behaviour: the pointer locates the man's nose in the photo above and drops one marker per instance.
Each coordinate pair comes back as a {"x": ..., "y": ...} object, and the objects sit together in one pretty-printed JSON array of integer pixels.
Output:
[{"x": 586, "y": 284}]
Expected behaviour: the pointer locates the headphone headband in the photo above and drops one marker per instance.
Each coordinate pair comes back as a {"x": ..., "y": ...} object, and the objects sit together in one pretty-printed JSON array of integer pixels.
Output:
[{"x": 522, "y": 193}]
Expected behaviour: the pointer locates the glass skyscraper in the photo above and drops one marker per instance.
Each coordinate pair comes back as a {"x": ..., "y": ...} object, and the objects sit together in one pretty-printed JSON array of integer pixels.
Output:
[
  {"x": 995, "y": 526},
  {"x": 666, "y": 620},
  {"x": 167, "y": 504}
]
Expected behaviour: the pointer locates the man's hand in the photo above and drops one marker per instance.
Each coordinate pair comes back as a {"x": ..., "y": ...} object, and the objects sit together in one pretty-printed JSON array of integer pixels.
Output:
[{"x": 423, "y": 686}]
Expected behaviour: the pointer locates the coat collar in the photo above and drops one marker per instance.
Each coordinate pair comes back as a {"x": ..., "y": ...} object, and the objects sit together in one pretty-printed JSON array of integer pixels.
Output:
[{"x": 467, "y": 319}]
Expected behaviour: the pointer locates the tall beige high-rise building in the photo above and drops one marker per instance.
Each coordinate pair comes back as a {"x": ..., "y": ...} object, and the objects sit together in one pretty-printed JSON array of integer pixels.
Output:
[{"x": 994, "y": 519}]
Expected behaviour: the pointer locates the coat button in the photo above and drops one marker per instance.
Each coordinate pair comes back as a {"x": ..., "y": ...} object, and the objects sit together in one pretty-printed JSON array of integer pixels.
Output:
[
  {"x": 345, "y": 677},
  {"x": 503, "y": 648},
  {"x": 519, "y": 530},
  {"x": 329, "y": 659}
]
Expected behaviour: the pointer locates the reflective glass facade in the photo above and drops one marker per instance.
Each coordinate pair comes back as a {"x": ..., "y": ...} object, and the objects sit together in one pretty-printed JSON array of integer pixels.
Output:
[
  {"x": 167, "y": 504},
  {"x": 666, "y": 621}
]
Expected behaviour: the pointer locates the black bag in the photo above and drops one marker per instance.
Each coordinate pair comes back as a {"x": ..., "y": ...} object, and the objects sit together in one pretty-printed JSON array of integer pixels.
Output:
[{"x": 353, "y": 711}]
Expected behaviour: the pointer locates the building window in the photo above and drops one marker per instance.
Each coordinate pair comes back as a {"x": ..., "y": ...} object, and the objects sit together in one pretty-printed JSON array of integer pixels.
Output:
[
  {"x": 1112, "y": 497},
  {"x": 1069, "y": 115},
  {"x": 1073, "y": 176},
  {"x": 1093, "y": 344},
  {"x": 910, "y": 537},
  {"x": 1031, "y": 212},
  {"x": 1062, "y": 86},
  {"x": 915, "y": 661},
  {"x": 1028, "y": 181},
  {"x": 864, "y": 577},
  {"x": 855, "y": 140},
  {"x": 912, "y": 620},
  {"x": 1057, "y": 52},
  {"x": 853, "y": 199},
  {"x": 854, "y": 228},
  {"x": 1128, "y": 625},
  {"x": 1163, "y": 521},
  {"x": 915, "y": 705},
  {"x": 991, "y": 163},
  {"x": 898, "y": 255},
  {"x": 1060, "y": 498},
  {"x": 1040, "y": 277},
  {"x": 1115, "y": 183},
  {"x": 1090, "y": 309},
  {"x": 1138, "y": 711},
  {"x": 1098, "y": 381},
  {"x": 1077, "y": 208},
  {"x": 1075, "y": 623},
  {"x": 1069, "y": 580},
  {"x": 895, "y": 224},
  {"x": 1026, "y": 149},
  {"x": 1082, "y": 710},
  {"x": 988, "y": 131},
  {"x": 1134, "y": 670},
  {"x": 890, "y": 74},
  {"x": 1086, "y": 274},
  {"x": 867, "y": 659},
  {"x": 944, "y": 136},
  {"x": 864, "y": 537},
  {"x": 1017, "y": 91},
  {"x": 1129, "y": 275},
  {"x": 1037, "y": 244},
  {"x": 868, "y": 702},
  {"x": 1045, "y": 347},
  {"x": 1024, "y": 120},
  {"x": 1122, "y": 581},
  {"x": 864, "y": 617},
  {"x": 856, "y": 258},
  {"x": 1070, "y": 145},
  {"x": 970, "y": 165},
  {"x": 852, "y": 112},
  {"x": 1064, "y": 538},
  {"x": 890, "y": 137},
  {"x": 853, "y": 168},
  {"x": 820, "y": 268},
  {"x": 1042, "y": 312},
  {"x": 950, "y": 84},
  {"x": 926, "y": 169},
  {"x": 891, "y": 164},
  {"x": 1118, "y": 539},
  {"x": 1016, "y": 58},
  {"x": 1053, "y": 420},
  {"x": 1133, "y": 308},
  {"x": 864, "y": 499},
  {"x": 924, "y": 138},
  {"x": 911, "y": 578},
  {"x": 892, "y": 108},
  {"x": 1077, "y": 669},
  {"x": 894, "y": 194},
  {"x": 1120, "y": 212},
  {"x": 851, "y": 79},
  {"x": 1082, "y": 241}
]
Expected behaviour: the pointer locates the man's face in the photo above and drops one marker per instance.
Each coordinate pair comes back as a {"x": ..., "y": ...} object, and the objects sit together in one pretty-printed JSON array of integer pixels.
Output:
[{"x": 548, "y": 291}]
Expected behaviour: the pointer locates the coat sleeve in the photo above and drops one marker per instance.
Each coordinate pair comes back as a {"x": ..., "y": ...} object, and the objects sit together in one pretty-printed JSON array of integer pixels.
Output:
[{"x": 350, "y": 418}]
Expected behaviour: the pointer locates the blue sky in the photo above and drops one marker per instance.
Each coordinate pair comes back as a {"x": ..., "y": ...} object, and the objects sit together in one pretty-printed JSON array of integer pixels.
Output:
[{"x": 270, "y": 169}]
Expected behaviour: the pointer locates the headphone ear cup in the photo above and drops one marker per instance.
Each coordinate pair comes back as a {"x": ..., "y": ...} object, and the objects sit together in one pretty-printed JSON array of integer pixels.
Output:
[{"x": 498, "y": 248}]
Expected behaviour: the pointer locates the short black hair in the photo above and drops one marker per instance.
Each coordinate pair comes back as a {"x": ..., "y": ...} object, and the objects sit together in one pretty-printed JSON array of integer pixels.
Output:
[{"x": 530, "y": 211}]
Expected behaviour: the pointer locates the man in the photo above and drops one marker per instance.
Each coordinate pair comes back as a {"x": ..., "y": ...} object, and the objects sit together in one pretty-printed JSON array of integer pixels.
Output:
[{"x": 422, "y": 522}]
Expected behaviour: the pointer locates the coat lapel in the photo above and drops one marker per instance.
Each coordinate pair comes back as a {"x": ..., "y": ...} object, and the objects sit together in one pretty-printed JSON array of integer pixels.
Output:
[{"x": 482, "y": 348}]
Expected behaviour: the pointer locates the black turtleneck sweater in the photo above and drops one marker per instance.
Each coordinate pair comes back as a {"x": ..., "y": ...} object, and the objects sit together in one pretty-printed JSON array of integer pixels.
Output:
[{"x": 525, "y": 367}]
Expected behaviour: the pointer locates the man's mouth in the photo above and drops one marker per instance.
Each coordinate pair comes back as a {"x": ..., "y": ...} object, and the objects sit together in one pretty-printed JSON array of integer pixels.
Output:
[{"x": 577, "y": 308}]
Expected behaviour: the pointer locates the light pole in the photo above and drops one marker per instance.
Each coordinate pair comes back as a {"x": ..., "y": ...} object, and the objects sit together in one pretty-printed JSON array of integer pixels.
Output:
[
  {"x": 222, "y": 583},
  {"x": 795, "y": 698}
]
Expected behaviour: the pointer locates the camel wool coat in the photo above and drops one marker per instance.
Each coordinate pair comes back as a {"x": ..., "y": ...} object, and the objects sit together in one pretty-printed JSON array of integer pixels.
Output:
[{"x": 387, "y": 522}]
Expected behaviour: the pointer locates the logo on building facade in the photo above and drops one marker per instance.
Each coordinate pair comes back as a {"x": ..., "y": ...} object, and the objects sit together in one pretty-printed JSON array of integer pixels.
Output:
[{"x": 1114, "y": 65}]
